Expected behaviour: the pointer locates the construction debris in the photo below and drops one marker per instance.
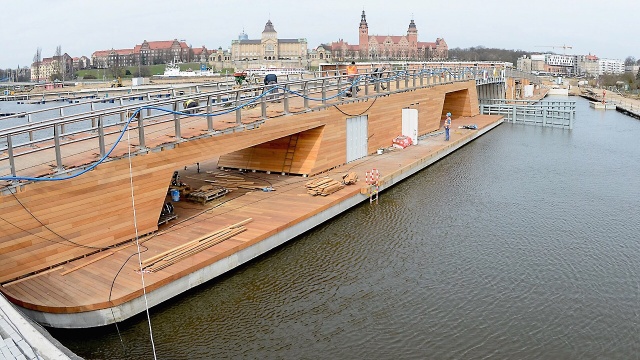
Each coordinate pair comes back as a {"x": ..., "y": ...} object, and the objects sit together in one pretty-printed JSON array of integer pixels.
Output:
[
  {"x": 350, "y": 178},
  {"x": 323, "y": 186}
]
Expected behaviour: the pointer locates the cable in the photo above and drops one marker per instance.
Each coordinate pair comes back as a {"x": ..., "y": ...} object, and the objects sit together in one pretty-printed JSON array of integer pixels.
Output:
[
  {"x": 135, "y": 224},
  {"x": 48, "y": 228},
  {"x": 367, "y": 109},
  {"x": 253, "y": 100}
]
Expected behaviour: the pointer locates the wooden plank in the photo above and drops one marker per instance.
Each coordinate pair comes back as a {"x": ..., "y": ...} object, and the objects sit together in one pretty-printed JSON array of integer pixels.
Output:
[
  {"x": 87, "y": 263},
  {"x": 33, "y": 276}
]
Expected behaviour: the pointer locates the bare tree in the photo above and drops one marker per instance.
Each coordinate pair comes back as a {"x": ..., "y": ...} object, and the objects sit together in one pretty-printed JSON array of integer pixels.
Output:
[
  {"x": 630, "y": 60},
  {"x": 37, "y": 60},
  {"x": 59, "y": 66}
]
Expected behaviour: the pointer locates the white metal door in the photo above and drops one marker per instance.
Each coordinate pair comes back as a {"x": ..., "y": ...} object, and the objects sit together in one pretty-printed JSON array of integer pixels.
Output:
[
  {"x": 410, "y": 124},
  {"x": 357, "y": 137}
]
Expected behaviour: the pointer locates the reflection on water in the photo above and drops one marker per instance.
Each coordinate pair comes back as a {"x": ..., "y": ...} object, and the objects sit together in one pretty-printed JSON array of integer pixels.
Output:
[{"x": 521, "y": 245}]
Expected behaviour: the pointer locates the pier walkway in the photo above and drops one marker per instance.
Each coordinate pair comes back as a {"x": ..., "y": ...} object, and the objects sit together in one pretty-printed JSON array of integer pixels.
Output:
[
  {"x": 80, "y": 293},
  {"x": 68, "y": 245}
]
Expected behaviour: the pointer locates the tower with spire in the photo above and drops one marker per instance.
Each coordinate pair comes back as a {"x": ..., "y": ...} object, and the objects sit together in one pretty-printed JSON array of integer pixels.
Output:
[
  {"x": 412, "y": 34},
  {"x": 364, "y": 33}
]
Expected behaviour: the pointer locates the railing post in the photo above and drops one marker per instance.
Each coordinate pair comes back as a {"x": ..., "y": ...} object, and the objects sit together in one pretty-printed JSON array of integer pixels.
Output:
[
  {"x": 122, "y": 114},
  {"x": 92, "y": 105},
  {"x": 414, "y": 78},
  {"x": 62, "y": 125},
  {"x": 56, "y": 140},
  {"x": 544, "y": 116},
  {"x": 324, "y": 91},
  {"x": 238, "y": 108},
  {"x": 397, "y": 80},
  {"x": 285, "y": 101},
  {"x": 101, "y": 143},
  {"x": 263, "y": 107},
  {"x": 209, "y": 117},
  {"x": 12, "y": 160},
  {"x": 305, "y": 92},
  {"x": 406, "y": 79},
  {"x": 176, "y": 121},
  {"x": 30, "y": 131},
  {"x": 513, "y": 119},
  {"x": 142, "y": 145}
]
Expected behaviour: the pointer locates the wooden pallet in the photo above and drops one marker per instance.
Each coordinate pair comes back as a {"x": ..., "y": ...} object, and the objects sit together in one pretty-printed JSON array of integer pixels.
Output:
[
  {"x": 207, "y": 193},
  {"x": 166, "y": 218}
]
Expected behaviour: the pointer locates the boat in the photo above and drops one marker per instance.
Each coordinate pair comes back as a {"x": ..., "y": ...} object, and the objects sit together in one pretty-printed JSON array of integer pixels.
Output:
[
  {"x": 263, "y": 70},
  {"x": 602, "y": 105},
  {"x": 173, "y": 70}
]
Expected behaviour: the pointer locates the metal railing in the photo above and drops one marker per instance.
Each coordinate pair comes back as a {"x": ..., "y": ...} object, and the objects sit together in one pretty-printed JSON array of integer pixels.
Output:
[
  {"x": 549, "y": 113},
  {"x": 317, "y": 92}
]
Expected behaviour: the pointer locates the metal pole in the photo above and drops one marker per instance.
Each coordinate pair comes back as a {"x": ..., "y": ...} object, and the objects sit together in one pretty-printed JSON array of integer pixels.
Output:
[
  {"x": 239, "y": 109},
  {"x": 101, "y": 136},
  {"x": 56, "y": 140},
  {"x": 209, "y": 117},
  {"x": 12, "y": 163},
  {"x": 141, "y": 130}
]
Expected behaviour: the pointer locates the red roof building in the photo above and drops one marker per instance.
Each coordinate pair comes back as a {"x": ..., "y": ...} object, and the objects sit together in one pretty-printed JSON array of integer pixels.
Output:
[{"x": 390, "y": 47}]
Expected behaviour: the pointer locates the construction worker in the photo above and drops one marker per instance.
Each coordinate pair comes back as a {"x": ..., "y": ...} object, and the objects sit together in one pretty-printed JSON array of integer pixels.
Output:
[
  {"x": 352, "y": 72},
  {"x": 447, "y": 126},
  {"x": 271, "y": 80},
  {"x": 188, "y": 105},
  {"x": 377, "y": 78}
]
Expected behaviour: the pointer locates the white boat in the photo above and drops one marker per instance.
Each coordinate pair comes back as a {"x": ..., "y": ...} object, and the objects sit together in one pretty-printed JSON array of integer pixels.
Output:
[
  {"x": 173, "y": 70},
  {"x": 262, "y": 71},
  {"x": 602, "y": 105}
]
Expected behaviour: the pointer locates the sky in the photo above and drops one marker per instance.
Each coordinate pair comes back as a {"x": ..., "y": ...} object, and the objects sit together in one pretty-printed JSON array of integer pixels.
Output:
[{"x": 606, "y": 28}]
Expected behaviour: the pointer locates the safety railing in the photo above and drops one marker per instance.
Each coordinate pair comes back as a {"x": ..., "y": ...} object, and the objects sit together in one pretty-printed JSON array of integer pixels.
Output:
[
  {"x": 101, "y": 126},
  {"x": 552, "y": 113}
]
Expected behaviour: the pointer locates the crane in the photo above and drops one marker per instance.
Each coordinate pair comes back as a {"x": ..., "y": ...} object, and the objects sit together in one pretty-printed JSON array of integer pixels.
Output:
[{"x": 564, "y": 48}]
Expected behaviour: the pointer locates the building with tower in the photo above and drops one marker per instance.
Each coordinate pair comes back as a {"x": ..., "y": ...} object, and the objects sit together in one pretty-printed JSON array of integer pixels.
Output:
[
  {"x": 268, "y": 47},
  {"x": 389, "y": 47}
]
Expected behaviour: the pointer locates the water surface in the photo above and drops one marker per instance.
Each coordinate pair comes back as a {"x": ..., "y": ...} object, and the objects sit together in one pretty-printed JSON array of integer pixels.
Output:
[{"x": 521, "y": 245}]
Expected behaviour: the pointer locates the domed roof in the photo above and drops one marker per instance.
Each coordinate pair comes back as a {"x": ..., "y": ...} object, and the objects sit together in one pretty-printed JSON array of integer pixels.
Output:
[{"x": 269, "y": 27}]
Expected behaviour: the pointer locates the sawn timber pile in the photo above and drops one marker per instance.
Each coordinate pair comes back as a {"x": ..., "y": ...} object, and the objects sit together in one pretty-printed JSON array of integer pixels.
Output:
[
  {"x": 183, "y": 251},
  {"x": 324, "y": 186}
]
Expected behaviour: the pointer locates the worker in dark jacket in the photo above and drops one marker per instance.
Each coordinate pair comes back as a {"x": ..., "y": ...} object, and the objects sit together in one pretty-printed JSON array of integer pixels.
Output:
[
  {"x": 190, "y": 104},
  {"x": 271, "y": 80}
]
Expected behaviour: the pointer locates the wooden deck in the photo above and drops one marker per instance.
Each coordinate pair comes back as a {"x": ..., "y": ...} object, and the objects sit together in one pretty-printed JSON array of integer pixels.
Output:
[
  {"x": 64, "y": 243},
  {"x": 65, "y": 290}
]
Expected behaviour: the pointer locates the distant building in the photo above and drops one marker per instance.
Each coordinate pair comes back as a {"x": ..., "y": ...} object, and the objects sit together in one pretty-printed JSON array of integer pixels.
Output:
[
  {"x": 588, "y": 65},
  {"x": 106, "y": 58},
  {"x": 269, "y": 47},
  {"x": 389, "y": 47},
  {"x": 632, "y": 68},
  {"x": 147, "y": 53},
  {"x": 55, "y": 65},
  {"x": 611, "y": 66},
  {"x": 162, "y": 52}
]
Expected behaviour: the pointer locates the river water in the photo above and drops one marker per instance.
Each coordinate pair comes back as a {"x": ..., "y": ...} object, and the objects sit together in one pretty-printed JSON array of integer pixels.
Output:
[{"x": 521, "y": 245}]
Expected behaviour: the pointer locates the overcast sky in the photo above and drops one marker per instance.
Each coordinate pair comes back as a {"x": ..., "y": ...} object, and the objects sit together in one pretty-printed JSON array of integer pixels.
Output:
[{"x": 606, "y": 28}]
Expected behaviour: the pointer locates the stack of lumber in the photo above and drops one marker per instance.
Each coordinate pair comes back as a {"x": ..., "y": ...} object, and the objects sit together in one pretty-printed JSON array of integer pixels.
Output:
[
  {"x": 323, "y": 186},
  {"x": 233, "y": 182},
  {"x": 172, "y": 256}
]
